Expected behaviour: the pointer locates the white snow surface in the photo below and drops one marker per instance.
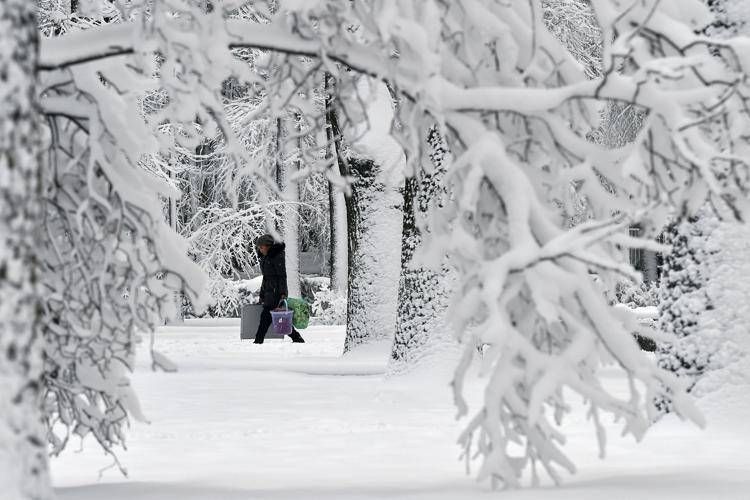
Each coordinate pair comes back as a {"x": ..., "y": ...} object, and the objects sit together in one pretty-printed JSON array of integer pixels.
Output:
[{"x": 291, "y": 421}]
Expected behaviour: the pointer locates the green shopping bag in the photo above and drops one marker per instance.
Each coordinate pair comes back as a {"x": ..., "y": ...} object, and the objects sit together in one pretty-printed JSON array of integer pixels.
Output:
[{"x": 301, "y": 309}]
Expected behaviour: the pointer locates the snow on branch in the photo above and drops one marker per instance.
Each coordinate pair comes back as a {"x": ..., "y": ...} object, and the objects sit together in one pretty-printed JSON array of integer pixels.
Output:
[
  {"x": 517, "y": 109},
  {"x": 111, "y": 265},
  {"x": 662, "y": 125}
]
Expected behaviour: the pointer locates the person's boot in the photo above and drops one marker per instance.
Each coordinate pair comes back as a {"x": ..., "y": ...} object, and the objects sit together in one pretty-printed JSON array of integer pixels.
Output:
[
  {"x": 296, "y": 337},
  {"x": 258, "y": 340}
]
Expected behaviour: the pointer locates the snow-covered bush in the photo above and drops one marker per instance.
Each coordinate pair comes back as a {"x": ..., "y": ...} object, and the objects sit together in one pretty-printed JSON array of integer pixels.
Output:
[
  {"x": 683, "y": 298},
  {"x": 731, "y": 17},
  {"x": 329, "y": 307},
  {"x": 702, "y": 294},
  {"x": 230, "y": 295},
  {"x": 636, "y": 294},
  {"x": 723, "y": 335},
  {"x": 704, "y": 304},
  {"x": 311, "y": 285}
]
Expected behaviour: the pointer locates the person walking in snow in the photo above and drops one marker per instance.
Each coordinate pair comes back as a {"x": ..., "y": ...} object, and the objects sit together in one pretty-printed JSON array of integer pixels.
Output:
[{"x": 274, "y": 286}]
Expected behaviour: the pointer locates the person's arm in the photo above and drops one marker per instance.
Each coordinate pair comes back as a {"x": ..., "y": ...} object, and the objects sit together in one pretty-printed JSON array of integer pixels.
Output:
[
  {"x": 281, "y": 270},
  {"x": 262, "y": 289}
]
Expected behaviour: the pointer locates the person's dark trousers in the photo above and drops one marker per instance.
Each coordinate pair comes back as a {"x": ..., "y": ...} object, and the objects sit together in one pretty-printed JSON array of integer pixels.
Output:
[
  {"x": 265, "y": 322},
  {"x": 295, "y": 336}
]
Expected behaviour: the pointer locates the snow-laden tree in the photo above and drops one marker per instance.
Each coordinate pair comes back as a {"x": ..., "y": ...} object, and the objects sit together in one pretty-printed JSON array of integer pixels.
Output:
[
  {"x": 220, "y": 216},
  {"x": 337, "y": 206},
  {"x": 508, "y": 95},
  {"x": 700, "y": 295},
  {"x": 525, "y": 279},
  {"x": 423, "y": 334},
  {"x": 110, "y": 265},
  {"x": 374, "y": 163},
  {"x": 221, "y": 242},
  {"x": 315, "y": 218},
  {"x": 516, "y": 109},
  {"x": 23, "y": 460}
]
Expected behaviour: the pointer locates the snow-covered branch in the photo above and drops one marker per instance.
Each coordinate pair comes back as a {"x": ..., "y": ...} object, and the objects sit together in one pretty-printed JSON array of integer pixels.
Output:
[{"x": 661, "y": 126}]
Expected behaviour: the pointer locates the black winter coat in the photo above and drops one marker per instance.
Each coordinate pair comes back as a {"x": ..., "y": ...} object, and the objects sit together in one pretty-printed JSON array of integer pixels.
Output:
[{"x": 273, "y": 268}]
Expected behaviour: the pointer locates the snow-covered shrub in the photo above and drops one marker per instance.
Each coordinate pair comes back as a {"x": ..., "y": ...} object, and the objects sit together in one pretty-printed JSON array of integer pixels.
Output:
[
  {"x": 703, "y": 295},
  {"x": 683, "y": 297},
  {"x": 311, "y": 285},
  {"x": 329, "y": 307},
  {"x": 723, "y": 328},
  {"x": 636, "y": 294},
  {"x": 230, "y": 295},
  {"x": 731, "y": 17}
]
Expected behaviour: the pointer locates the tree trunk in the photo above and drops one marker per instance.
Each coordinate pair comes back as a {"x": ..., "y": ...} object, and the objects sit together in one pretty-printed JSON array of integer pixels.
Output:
[
  {"x": 338, "y": 258},
  {"x": 337, "y": 208},
  {"x": 373, "y": 222},
  {"x": 422, "y": 333},
  {"x": 23, "y": 450},
  {"x": 290, "y": 224}
]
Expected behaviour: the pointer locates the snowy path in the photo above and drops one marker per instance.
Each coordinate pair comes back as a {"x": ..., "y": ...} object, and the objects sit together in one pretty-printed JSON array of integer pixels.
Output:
[{"x": 282, "y": 421}]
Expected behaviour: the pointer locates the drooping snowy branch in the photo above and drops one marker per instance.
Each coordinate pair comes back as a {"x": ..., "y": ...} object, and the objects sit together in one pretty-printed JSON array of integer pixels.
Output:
[
  {"x": 519, "y": 111},
  {"x": 111, "y": 265}
]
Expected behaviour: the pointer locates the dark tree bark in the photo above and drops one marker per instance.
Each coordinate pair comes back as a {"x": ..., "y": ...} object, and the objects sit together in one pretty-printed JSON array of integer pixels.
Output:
[
  {"x": 23, "y": 452},
  {"x": 360, "y": 278},
  {"x": 421, "y": 329}
]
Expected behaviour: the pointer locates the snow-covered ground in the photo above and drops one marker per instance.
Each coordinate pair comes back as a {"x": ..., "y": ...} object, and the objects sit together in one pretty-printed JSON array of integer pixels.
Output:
[{"x": 289, "y": 421}]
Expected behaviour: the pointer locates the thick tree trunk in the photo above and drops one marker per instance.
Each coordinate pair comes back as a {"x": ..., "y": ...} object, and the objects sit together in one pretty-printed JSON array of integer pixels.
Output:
[
  {"x": 23, "y": 451},
  {"x": 373, "y": 223},
  {"x": 422, "y": 333},
  {"x": 373, "y": 220}
]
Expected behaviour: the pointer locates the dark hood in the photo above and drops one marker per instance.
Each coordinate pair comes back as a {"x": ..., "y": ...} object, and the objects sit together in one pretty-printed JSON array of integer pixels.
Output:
[{"x": 276, "y": 249}]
